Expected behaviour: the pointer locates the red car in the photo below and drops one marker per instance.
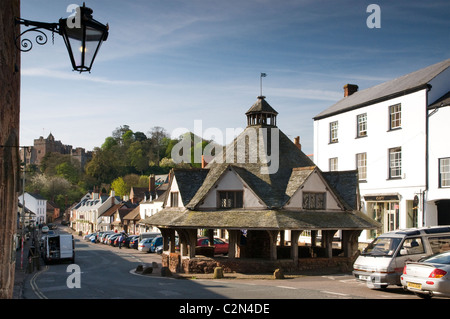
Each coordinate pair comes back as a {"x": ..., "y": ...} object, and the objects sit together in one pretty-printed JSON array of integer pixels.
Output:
[{"x": 220, "y": 245}]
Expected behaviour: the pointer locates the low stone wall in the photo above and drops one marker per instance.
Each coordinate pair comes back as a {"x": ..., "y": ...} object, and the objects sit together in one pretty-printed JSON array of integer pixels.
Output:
[{"x": 200, "y": 265}]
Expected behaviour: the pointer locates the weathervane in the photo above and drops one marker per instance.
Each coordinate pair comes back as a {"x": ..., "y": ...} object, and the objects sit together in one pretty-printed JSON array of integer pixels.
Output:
[{"x": 263, "y": 75}]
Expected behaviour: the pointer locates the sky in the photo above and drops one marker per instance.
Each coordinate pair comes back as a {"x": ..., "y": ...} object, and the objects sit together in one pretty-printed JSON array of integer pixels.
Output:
[{"x": 173, "y": 63}]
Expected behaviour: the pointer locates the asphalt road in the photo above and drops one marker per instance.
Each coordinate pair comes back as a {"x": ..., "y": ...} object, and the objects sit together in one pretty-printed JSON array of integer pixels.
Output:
[{"x": 104, "y": 272}]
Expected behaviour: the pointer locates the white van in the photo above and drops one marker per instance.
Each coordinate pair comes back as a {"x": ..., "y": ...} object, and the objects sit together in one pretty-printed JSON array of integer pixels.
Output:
[
  {"x": 149, "y": 235},
  {"x": 57, "y": 248},
  {"x": 382, "y": 262}
]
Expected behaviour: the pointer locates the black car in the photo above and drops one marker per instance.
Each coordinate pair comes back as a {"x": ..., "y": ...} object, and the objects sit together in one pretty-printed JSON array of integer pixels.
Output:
[
  {"x": 127, "y": 242},
  {"x": 134, "y": 242}
]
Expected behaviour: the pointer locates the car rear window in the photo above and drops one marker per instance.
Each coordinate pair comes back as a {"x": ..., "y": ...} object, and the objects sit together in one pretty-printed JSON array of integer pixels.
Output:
[{"x": 439, "y": 259}]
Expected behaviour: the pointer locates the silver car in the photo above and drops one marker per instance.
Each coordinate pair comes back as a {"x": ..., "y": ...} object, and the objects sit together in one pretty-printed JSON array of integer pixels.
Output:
[
  {"x": 144, "y": 244},
  {"x": 429, "y": 276}
]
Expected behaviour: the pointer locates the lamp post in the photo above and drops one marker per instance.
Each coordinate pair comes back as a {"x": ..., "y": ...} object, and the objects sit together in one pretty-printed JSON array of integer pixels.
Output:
[{"x": 82, "y": 36}]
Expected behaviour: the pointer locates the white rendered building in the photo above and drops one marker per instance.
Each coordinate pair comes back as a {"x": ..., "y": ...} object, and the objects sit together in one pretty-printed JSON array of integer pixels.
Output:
[{"x": 397, "y": 135}]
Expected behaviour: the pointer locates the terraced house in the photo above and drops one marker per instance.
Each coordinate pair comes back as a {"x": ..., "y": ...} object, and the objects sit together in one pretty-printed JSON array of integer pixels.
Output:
[
  {"x": 396, "y": 135},
  {"x": 261, "y": 192}
]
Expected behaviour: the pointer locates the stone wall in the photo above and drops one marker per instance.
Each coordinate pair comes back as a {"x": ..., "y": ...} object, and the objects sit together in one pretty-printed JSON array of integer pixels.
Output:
[
  {"x": 201, "y": 265},
  {"x": 9, "y": 142}
]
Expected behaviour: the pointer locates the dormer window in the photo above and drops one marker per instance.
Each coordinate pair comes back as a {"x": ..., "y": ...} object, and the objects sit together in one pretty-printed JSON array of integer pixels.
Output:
[
  {"x": 313, "y": 200},
  {"x": 230, "y": 199},
  {"x": 174, "y": 199}
]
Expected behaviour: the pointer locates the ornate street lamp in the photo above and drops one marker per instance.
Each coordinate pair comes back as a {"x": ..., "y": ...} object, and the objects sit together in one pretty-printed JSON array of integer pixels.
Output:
[{"x": 82, "y": 35}]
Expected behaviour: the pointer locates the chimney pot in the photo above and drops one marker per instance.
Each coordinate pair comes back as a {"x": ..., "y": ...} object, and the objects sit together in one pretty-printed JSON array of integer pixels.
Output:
[
  {"x": 152, "y": 184},
  {"x": 349, "y": 89},
  {"x": 297, "y": 142}
]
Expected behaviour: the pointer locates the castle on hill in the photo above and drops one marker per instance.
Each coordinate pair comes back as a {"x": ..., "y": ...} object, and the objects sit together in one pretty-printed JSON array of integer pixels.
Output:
[{"x": 43, "y": 146}]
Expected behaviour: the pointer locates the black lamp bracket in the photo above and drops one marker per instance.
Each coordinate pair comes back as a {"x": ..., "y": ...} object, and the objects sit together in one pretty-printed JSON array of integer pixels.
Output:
[{"x": 41, "y": 38}]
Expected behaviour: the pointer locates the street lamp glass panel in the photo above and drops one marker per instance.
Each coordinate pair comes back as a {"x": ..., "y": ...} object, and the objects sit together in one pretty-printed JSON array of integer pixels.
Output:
[{"x": 83, "y": 42}]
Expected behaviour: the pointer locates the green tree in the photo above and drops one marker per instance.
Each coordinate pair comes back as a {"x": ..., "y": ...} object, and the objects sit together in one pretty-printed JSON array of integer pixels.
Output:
[
  {"x": 68, "y": 171},
  {"x": 120, "y": 187}
]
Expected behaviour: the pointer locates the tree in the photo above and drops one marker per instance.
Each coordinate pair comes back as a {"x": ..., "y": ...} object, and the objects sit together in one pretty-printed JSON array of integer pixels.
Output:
[
  {"x": 137, "y": 157},
  {"x": 159, "y": 139},
  {"x": 120, "y": 187},
  {"x": 68, "y": 171}
]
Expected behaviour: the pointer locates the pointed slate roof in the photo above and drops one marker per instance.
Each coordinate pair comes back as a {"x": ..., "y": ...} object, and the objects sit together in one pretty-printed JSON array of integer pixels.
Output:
[
  {"x": 273, "y": 188},
  {"x": 270, "y": 188},
  {"x": 261, "y": 106}
]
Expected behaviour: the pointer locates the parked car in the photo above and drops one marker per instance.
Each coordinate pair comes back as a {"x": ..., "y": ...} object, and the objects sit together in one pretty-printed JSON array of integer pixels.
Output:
[
  {"x": 116, "y": 240},
  {"x": 134, "y": 242},
  {"x": 382, "y": 262},
  {"x": 220, "y": 245},
  {"x": 156, "y": 245},
  {"x": 128, "y": 240},
  {"x": 102, "y": 239},
  {"x": 87, "y": 237},
  {"x": 429, "y": 276},
  {"x": 112, "y": 238},
  {"x": 144, "y": 244},
  {"x": 157, "y": 241}
]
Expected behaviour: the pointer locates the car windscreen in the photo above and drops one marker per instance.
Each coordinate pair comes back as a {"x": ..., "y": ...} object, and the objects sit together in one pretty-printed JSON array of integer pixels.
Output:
[{"x": 382, "y": 246}]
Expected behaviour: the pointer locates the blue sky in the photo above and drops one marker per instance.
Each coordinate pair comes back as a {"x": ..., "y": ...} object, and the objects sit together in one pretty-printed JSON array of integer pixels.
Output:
[{"x": 168, "y": 63}]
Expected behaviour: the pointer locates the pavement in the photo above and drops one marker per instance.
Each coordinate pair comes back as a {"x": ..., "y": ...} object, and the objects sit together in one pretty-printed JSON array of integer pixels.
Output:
[{"x": 20, "y": 272}]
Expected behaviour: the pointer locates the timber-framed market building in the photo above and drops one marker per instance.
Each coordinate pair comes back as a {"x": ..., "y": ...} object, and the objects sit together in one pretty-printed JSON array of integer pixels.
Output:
[{"x": 263, "y": 192}]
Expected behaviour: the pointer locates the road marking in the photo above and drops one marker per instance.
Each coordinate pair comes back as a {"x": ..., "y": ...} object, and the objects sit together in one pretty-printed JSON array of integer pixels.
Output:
[
  {"x": 34, "y": 285},
  {"x": 286, "y": 287},
  {"x": 334, "y": 293}
]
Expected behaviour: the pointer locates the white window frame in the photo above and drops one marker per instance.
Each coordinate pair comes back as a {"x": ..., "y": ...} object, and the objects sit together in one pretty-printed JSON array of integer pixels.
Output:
[
  {"x": 361, "y": 125},
  {"x": 361, "y": 166},
  {"x": 333, "y": 164},
  {"x": 444, "y": 172},
  {"x": 334, "y": 132},
  {"x": 395, "y": 163},
  {"x": 395, "y": 116}
]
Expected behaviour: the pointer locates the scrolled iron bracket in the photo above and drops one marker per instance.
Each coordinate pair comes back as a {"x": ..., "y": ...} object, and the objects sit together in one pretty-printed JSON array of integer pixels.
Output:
[{"x": 41, "y": 38}]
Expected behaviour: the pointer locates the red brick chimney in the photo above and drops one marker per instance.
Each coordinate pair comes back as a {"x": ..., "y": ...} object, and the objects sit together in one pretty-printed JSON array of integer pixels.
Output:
[
  {"x": 297, "y": 142},
  {"x": 349, "y": 89},
  {"x": 152, "y": 184},
  {"x": 203, "y": 161}
]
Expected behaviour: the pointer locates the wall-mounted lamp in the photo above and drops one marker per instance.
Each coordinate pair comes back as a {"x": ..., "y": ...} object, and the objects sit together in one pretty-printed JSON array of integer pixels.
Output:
[{"x": 82, "y": 35}]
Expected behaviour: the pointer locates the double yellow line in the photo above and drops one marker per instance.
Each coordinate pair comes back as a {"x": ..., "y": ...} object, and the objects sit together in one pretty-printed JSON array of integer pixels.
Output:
[{"x": 34, "y": 285}]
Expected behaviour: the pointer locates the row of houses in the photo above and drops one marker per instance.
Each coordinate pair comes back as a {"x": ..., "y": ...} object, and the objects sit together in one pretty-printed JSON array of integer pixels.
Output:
[
  {"x": 34, "y": 209},
  {"x": 396, "y": 135},
  {"x": 104, "y": 212}
]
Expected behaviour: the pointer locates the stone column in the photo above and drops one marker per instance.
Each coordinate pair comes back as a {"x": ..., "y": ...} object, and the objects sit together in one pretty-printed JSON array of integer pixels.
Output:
[
  {"x": 350, "y": 242},
  {"x": 233, "y": 242},
  {"x": 295, "y": 234},
  {"x": 327, "y": 242},
  {"x": 192, "y": 239},
  {"x": 273, "y": 234}
]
